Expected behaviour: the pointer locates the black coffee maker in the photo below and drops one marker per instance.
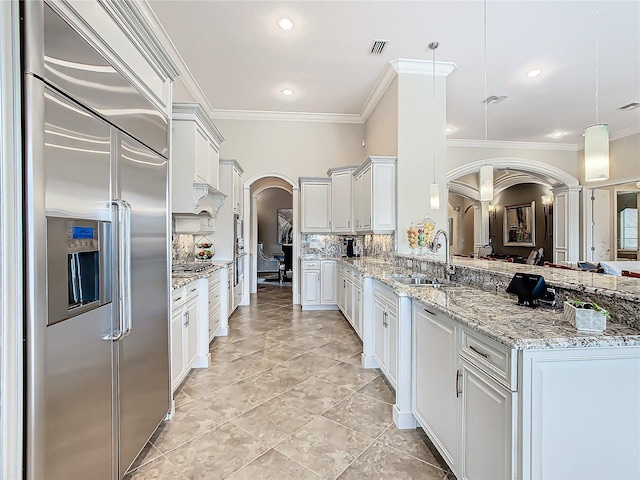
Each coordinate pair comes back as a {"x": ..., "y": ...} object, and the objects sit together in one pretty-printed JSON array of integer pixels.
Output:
[{"x": 350, "y": 242}]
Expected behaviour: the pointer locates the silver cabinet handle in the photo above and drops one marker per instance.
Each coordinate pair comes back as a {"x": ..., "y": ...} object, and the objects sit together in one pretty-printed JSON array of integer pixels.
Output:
[
  {"x": 176, "y": 299},
  {"x": 193, "y": 289},
  {"x": 482, "y": 354},
  {"x": 429, "y": 312},
  {"x": 458, "y": 391}
]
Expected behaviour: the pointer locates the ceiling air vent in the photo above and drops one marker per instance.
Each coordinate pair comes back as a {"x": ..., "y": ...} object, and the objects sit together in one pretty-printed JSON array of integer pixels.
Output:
[
  {"x": 629, "y": 106},
  {"x": 378, "y": 46},
  {"x": 493, "y": 99}
]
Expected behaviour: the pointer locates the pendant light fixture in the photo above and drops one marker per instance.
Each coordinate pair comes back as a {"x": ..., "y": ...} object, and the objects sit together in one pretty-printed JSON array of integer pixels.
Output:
[
  {"x": 434, "y": 189},
  {"x": 596, "y": 137},
  {"x": 486, "y": 171}
]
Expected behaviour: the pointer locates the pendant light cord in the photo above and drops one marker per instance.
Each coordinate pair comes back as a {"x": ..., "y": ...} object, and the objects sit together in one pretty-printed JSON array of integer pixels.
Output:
[
  {"x": 597, "y": 55},
  {"x": 486, "y": 122},
  {"x": 433, "y": 130}
]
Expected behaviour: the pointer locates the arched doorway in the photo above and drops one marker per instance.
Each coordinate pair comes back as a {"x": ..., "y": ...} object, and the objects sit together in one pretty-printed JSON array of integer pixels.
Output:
[
  {"x": 252, "y": 188},
  {"x": 565, "y": 188}
]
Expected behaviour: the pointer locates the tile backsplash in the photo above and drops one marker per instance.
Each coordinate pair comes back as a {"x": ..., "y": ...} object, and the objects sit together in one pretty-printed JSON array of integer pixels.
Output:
[
  {"x": 182, "y": 248},
  {"x": 377, "y": 246}
]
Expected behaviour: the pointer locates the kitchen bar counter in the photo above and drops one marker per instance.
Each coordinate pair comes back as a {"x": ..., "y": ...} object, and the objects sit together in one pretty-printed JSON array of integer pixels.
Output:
[{"x": 497, "y": 315}]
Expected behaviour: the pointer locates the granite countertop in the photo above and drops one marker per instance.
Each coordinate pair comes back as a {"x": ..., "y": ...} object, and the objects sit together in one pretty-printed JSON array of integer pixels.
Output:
[
  {"x": 180, "y": 279},
  {"x": 497, "y": 315}
]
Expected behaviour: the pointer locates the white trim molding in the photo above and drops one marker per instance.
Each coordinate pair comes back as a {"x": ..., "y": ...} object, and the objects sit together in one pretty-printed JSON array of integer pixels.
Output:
[
  {"x": 625, "y": 132},
  {"x": 220, "y": 114},
  {"x": 472, "y": 143}
]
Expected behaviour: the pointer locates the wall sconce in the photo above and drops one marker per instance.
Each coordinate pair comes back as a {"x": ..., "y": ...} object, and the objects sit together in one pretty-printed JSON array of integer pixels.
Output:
[
  {"x": 492, "y": 211},
  {"x": 547, "y": 205}
]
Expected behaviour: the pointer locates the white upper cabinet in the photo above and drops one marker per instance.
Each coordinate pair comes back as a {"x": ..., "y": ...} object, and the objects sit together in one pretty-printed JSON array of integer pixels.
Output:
[
  {"x": 232, "y": 171},
  {"x": 194, "y": 161},
  {"x": 342, "y": 199},
  {"x": 315, "y": 202},
  {"x": 375, "y": 195}
]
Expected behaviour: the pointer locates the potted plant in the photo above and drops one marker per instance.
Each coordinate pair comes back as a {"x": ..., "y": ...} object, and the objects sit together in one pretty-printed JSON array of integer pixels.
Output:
[{"x": 585, "y": 316}]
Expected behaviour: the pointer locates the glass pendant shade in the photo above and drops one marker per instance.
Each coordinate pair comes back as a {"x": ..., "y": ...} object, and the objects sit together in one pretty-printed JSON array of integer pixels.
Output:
[
  {"x": 486, "y": 183},
  {"x": 434, "y": 196},
  {"x": 596, "y": 153}
]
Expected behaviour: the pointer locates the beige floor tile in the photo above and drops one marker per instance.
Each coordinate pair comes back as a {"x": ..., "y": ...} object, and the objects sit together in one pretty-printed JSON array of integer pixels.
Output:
[
  {"x": 354, "y": 360},
  {"x": 315, "y": 395},
  {"x": 349, "y": 376},
  {"x": 236, "y": 399},
  {"x": 364, "y": 414},
  {"x": 409, "y": 441},
  {"x": 180, "y": 398},
  {"x": 189, "y": 420},
  {"x": 379, "y": 389},
  {"x": 273, "y": 421},
  {"x": 202, "y": 382},
  {"x": 310, "y": 363},
  {"x": 217, "y": 454},
  {"x": 351, "y": 338},
  {"x": 148, "y": 453},
  {"x": 277, "y": 379},
  {"x": 274, "y": 466},
  {"x": 337, "y": 350},
  {"x": 226, "y": 352},
  {"x": 281, "y": 352},
  {"x": 384, "y": 463},
  {"x": 158, "y": 469},
  {"x": 255, "y": 343},
  {"x": 283, "y": 334},
  {"x": 324, "y": 447},
  {"x": 244, "y": 367},
  {"x": 308, "y": 342}
]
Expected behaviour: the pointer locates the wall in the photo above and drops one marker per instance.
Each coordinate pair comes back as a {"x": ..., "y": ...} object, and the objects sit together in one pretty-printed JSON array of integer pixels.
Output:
[
  {"x": 518, "y": 195},
  {"x": 269, "y": 201},
  {"x": 291, "y": 148},
  {"x": 462, "y": 241},
  {"x": 381, "y": 128}
]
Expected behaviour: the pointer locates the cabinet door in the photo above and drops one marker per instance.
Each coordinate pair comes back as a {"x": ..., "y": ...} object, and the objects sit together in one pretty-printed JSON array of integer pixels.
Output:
[
  {"x": 213, "y": 165},
  {"x": 436, "y": 361},
  {"x": 328, "y": 282},
  {"x": 364, "y": 200},
  {"x": 190, "y": 333},
  {"x": 341, "y": 202},
  {"x": 342, "y": 291},
  {"x": 237, "y": 191},
  {"x": 316, "y": 207},
  {"x": 349, "y": 300},
  {"x": 311, "y": 287},
  {"x": 201, "y": 148},
  {"x": 379, "y": 331},
  {"x": 383, "y": 198},
  {"x": 392, "y": 346},
  {"x": 214, "y": 322},
  {"x": 357, "y": 309},
  {"x": 487, "y": 428},
  {"x": 177, "y": 349}
]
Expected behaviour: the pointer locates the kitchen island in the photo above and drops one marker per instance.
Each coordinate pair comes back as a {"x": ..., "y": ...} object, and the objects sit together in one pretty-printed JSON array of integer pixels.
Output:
[{"x": 506, "y": 391}]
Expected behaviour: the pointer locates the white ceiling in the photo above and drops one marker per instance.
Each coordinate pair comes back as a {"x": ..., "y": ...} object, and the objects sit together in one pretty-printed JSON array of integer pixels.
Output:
[{"x": 241, "y": 59}]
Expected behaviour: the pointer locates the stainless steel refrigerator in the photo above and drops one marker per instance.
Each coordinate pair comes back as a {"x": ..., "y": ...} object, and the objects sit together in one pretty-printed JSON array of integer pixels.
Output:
[{"x": 97, "y": 279}]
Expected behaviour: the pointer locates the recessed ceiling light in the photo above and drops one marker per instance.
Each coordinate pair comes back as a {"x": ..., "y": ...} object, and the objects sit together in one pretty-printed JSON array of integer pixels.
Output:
[
  {"x": 534, "y": 73},
  {"x": 285, "y": 23},
  {"x": 558, "y": 134},
  {"x": 629, "y": 106},
  {"x": 449, "y": 130},
  {"x": 287, "y": 92}
]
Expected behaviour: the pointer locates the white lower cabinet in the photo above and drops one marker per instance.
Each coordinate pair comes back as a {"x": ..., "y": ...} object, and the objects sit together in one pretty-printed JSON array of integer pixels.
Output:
[
  {"x": 214, "y": 306},
  {"x": 436, "y": 378},
  {"x": 319, "y": 290},
  {"x": 349, "y": 295},
  {"x": 385, "y": 331},
  {"x": 184, "y": 332},
  {"x": 487, "y": 433}
]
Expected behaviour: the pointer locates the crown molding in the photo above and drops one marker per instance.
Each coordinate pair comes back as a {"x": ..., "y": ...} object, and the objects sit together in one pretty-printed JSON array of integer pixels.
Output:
[
  {"x": 625, "y": 132},
  {"x": 392, "y": 70},
  {"x": 194, "y": 111},
  {"x": 219, "y": 114},
  {"x": 470, "y": 143}
]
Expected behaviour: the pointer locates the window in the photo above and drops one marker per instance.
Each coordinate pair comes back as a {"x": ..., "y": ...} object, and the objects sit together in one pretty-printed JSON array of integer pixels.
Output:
[{"x": 629, "y": 229}]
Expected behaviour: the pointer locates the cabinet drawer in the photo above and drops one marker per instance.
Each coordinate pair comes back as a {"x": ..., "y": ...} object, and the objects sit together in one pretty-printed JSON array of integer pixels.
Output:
[
  {"x": 313, "y": 265},
  {"x": 177, "y": 298},
  {"x": 493, "y": 357},
  {"x": 386, "y": 294},
  {"x": 191, "y": 291}
]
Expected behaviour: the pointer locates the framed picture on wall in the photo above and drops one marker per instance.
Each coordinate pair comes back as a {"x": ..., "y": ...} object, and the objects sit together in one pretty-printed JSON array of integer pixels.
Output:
[
  {"x": 285, "y": 226},
  {"x": 520, "y": 225}
]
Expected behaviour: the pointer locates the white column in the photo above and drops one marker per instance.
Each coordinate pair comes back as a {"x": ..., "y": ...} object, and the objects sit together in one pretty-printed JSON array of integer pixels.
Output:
[
  {"x": 421, "y": 135},
  {"x": 566, "y": 224}
]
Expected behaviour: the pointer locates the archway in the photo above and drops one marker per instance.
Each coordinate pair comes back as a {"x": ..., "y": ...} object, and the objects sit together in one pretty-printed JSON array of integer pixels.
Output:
[
  {"x": 251, "y": 190},
  {"x": 565, "y": 188}
]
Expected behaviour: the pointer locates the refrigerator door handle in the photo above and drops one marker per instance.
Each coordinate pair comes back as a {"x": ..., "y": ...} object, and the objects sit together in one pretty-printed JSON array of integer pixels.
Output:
[
  {"x": 121, "y": 255},
  {"x": 128, "y": 322}
]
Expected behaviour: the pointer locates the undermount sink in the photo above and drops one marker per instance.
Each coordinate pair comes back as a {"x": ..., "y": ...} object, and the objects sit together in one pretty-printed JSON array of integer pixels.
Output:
[{"x": 420, "y": 281}]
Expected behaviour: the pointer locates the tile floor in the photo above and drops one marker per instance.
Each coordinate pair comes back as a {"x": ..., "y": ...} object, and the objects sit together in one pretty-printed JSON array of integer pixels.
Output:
[{"x": 285, "y": 399}]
